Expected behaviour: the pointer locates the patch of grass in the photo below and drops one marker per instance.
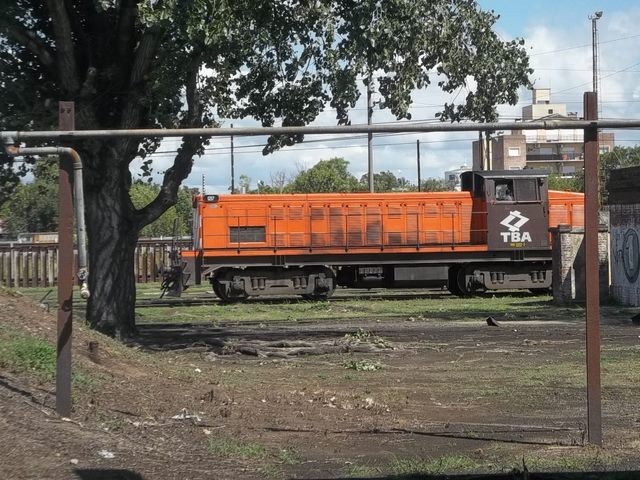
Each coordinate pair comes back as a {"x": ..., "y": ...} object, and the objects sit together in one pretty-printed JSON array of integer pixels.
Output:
[
  {"x": 590, "y": 459},
  {"x": 272, "y": 472},
  {"x": 356, "y": 470},
  {"x": 438, "y": 466},
  {"x": 362, "y": 365},
  {"x": 288, "y": 456},
  {"x": 229, "y": 447},
  {"x": 26, "y": 353},
  {"x": 426, "y": 306}
]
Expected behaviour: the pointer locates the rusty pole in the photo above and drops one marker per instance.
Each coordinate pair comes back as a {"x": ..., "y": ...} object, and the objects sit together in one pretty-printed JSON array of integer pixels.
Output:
[
  {"x": 66, "y": 116},
  {"x": 592, "y": 264}
]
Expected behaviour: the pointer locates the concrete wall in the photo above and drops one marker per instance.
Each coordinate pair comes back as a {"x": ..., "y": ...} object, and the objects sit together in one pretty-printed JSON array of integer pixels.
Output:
[
  {"x": 569, "y": 267},
  {"x": 624, "y": 209}
]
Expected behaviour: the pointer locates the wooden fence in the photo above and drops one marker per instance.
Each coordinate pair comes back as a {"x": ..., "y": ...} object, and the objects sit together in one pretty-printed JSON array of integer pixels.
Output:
[{"x": 36, "y": 264}]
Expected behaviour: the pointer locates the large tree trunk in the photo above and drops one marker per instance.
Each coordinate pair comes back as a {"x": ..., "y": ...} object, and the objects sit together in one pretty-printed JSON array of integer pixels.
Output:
[{"x": 112, "y": 234}]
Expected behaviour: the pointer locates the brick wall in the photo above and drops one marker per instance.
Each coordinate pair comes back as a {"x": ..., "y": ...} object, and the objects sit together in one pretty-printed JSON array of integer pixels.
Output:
[{"x": 569, "y": 267}]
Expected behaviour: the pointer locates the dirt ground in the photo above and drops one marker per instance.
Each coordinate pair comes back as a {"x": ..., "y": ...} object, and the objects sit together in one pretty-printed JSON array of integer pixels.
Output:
[{"x": 338, "y": 399}]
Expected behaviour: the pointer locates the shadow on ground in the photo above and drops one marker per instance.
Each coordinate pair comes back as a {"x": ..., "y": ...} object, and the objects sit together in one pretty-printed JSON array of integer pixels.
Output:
[
  {"x": 106, "y": 474},
  {"x": 516, "y": 475}
]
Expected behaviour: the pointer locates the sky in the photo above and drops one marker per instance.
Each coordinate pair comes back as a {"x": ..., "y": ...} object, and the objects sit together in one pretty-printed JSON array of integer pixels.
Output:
[{"x": 557, "y": 37}]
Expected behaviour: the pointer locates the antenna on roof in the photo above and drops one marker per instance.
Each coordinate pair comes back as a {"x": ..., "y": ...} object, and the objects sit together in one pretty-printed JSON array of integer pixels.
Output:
[{"x": 202, "y": 190}]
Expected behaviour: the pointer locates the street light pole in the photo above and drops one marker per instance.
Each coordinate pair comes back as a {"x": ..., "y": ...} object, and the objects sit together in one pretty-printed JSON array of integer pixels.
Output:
[
  {"x": 594, "y": 46},
  {"x": 369, "y": 134}
]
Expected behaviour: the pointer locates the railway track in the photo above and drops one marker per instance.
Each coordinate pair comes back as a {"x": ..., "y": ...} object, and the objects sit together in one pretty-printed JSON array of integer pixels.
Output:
[{"x": 339, "y": 296}]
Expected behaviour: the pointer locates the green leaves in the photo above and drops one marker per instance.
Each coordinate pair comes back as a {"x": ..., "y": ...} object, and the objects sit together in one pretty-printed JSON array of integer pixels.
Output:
[{"x": 325, "y": 176}]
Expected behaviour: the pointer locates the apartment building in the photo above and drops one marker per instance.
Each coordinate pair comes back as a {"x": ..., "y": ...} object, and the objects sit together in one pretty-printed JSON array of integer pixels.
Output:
[{"x": 556, "y": 151}]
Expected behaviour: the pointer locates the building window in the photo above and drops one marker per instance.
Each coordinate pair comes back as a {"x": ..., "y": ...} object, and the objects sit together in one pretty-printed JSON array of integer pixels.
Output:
[
  {"x": 604, "y": 149},
  {"x": 247, "y": 234},
  {"x": 550, "y": 111},
  {"x": 514, "y": 152},
  {"x": 515, "y": 168}
]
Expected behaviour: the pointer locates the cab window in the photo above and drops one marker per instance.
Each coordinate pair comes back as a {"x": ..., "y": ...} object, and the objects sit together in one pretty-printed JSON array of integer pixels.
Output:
[
  {"x": 504, "y": 191},
  {"x": 527, "y": 190}
]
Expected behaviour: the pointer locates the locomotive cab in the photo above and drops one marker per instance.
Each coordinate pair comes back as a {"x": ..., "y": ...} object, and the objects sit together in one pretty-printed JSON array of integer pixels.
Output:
[{"x": 510, "y": 208}]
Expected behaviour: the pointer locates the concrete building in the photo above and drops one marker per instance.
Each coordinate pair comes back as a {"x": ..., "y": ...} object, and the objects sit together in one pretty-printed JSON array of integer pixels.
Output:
[
  {"x": 556, "y": 151},
  {"x": 452, "y": 177}
]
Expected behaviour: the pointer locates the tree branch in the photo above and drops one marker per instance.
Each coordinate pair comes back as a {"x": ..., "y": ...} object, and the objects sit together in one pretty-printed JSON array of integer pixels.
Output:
[
  {"x": 31, "y": 42},
  {"x": 79, "y": 32},
  {"x": 125, "y": 28},
  {"x": 183, "y": 162},
  {"x": 65, "y": 57},
  {"x": 143, "y": 60}
]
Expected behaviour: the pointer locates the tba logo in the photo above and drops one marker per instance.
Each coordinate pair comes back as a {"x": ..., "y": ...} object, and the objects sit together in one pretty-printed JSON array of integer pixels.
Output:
[{"x": 514, "y": 221}]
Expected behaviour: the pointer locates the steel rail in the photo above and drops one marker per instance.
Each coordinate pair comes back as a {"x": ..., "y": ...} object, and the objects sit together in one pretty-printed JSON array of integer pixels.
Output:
[{"x": 17, "y": 136}]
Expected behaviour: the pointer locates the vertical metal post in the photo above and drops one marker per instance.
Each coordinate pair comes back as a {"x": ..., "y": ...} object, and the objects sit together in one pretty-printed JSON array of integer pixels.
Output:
[
  {"x": 369, "y": 134},
  {"x": 233, "y": 173},
  {"x": 592, "y": 264},
  {"x": 481, "y": 151},
  {"x": 66, "y": 121},
  {"x": 418, "y": 160}
]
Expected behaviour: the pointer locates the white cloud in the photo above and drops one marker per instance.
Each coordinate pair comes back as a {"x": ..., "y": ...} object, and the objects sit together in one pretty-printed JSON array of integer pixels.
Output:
[{"x": 567, "y": 71}]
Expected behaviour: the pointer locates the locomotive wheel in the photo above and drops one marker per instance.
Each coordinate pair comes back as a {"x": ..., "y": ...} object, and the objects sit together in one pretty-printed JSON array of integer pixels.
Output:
[
  {"x": 217, "y": 289},
  {"x": 221, "y": 292},
  {"x": 323, "y": 295},
  {"x": 318, "y": 296},
  {"x": 457, "y": 282},
  {"x": 452, "y": 284}
]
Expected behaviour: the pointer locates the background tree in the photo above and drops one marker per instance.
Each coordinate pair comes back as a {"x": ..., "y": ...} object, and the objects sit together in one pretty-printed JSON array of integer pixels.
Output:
[
  {"x": 325, "y": 176},
  {"x": 386, "y": 182},
  {"x": 619, "y": 157},
  {"x": 278, "y": 181},
  {"x": 33, "y": 207},
  {"x": 435, "y": 185},
  {"x": 566, "y": 184},
  {"x": 177, "y": 63},
  {"x": 174, "y": 221}
]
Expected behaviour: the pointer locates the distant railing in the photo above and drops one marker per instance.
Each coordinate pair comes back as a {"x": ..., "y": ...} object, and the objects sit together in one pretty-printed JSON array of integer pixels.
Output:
[{"x": 36, "y": 264}]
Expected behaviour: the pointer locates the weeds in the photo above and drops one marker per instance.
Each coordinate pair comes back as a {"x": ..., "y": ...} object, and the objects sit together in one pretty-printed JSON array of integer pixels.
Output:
[
  {"x": 364, "y": 336},
  {"x": 227, "y": 447},
  {"x": 439, "y": 466},
  {"x": 288, "y": 456},
  {"x": 26, "y": 353},
  {"x": 362, "y": 365},
  {"x": 355, "y": 470}
]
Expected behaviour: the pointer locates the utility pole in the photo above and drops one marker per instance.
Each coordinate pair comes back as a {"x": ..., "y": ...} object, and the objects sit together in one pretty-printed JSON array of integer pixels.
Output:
[
  {"x": 594, "y": 46},
  {"x": 418, "y": 160},
  {"x": 233, "y": 175},
  {"x": 481, "y": 151},
  {"x": 369, "y": 134}
]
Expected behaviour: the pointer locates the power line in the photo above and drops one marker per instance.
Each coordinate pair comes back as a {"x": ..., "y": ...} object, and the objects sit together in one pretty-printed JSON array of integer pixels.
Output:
[
  {"x": 606, "y": 76},
  {"x": 584, "y": 45}
]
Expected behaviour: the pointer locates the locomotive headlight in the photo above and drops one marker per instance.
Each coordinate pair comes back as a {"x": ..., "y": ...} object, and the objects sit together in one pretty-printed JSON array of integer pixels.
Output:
[{"x": 211, "y": 198}]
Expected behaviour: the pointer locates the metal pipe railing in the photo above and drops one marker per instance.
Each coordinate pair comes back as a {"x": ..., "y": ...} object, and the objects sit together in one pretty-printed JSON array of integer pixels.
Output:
[
  {"x": 83, "y": 272},
  {"x": 400, "y": 127}
]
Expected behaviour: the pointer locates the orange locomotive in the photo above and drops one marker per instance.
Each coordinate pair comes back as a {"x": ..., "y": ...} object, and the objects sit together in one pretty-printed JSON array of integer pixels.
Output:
[{"x": 492, "y": 235}]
